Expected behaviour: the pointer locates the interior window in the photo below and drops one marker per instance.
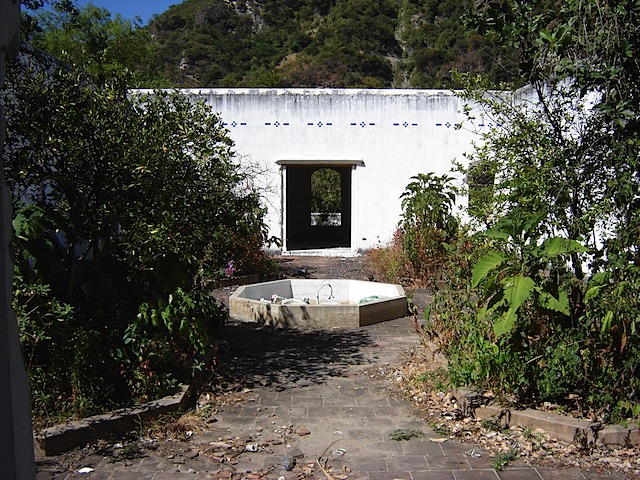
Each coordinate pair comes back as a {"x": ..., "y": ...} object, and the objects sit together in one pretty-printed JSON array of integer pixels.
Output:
[{"x": 326, "y": 198}]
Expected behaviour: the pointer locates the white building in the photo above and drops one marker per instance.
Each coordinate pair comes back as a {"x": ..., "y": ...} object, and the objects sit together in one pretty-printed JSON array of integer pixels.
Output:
[{"x": 375, "y": 139}]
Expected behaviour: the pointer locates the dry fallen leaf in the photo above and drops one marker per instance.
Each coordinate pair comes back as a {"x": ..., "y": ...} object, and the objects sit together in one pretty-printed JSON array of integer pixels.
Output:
[{"x": 438, "y": 439}]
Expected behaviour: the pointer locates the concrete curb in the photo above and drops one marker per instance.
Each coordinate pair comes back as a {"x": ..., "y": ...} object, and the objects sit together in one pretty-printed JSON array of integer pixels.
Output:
[
  {"x": 559, "y": 427},
  {"x": 67, "y": 436}
]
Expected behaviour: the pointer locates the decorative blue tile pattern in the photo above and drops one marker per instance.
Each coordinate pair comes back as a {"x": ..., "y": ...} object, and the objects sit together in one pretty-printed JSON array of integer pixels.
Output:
[
  {"x": 276, "y": 124},
  {"x": 361, "y": 124},
  {"x": 319, "y": 124},
  {"x": 448, "y": 124}
]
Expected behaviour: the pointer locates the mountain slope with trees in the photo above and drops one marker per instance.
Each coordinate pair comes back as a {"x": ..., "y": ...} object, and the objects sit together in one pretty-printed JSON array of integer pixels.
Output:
[{"x": 326, "y": 43}]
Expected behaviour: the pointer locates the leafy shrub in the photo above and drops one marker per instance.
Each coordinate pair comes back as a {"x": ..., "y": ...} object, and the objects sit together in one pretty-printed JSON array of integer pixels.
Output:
[
  {"x": 428, "y": 224},
  {"x": 120, "y": 201}
]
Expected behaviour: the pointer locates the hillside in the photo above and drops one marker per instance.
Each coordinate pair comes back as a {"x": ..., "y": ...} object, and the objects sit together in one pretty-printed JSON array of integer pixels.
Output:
[{"x": 321, "y": 43}]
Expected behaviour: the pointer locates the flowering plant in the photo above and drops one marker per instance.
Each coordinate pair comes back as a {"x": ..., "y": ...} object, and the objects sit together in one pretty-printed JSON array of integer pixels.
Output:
[{"x": 229, "y": 269}]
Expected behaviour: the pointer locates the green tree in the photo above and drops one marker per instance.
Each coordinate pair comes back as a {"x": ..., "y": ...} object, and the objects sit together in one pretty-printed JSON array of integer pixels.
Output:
[
  {"x": 120, "y": 201},
  {"x": 93, "y": 41}
]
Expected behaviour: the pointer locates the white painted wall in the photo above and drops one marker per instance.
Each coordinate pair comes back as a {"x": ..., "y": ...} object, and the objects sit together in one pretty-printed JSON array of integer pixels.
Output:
[{"x": 396, "y": 133}]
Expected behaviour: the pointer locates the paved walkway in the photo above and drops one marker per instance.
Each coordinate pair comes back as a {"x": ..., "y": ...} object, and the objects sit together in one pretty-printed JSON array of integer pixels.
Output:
[{"x": 315, "y": 407}]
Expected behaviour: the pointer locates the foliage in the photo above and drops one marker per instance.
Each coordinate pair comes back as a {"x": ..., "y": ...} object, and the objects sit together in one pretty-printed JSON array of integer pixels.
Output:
[
  {"x": 120, "y": 200},
  {"x": 92, "y": 41},
  {"x": 330, "y": 43},
  {"x": 549, "y": 311},
  {"x": 189, "y": 321},
  {"x": 504, "y": 459},
  {"x": 294, "y": 43},
  {"x": 389, "y": 261},
  {"x": 29, "y": 9},
  {"x": 326, "y": 194},
  {"x": 428, "y": 223},
  {"x": 436, "y": 41},
  {"x": 529, "y": 270}
]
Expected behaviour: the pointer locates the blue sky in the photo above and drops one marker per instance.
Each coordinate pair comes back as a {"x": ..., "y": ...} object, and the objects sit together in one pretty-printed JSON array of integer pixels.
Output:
[{"x": 131, "y": 8}]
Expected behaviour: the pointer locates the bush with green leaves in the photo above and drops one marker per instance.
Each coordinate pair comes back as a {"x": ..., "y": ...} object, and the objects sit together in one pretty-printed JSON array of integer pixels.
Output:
[
  {"x": 428, "y": 224},
  {"x": 120, "y": 200},
  {"x": 552, "y": 314}
]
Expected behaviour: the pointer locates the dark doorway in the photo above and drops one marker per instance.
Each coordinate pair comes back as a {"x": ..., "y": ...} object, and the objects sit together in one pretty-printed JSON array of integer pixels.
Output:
[{"x": 318, "y": 207}]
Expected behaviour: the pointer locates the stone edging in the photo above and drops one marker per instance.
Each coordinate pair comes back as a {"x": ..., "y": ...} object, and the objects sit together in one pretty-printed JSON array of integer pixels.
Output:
[
  {"x": 559, "y": 427},
  {"x": 67, "y": 436},
  {"x": 230, "y": 282}
]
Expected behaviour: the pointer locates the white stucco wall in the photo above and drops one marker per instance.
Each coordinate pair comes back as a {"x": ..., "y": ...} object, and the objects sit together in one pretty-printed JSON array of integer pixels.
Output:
[{"x": 396, "y": 134}]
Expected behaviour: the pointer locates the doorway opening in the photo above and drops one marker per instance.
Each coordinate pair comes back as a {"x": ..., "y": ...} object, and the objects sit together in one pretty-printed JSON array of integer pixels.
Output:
[{"x": 318, "y": 206}]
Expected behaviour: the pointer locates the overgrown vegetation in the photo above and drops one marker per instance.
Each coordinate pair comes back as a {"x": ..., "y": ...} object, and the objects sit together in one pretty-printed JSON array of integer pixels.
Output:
[
  {"x": 311, "y": 43},
  {"x": 544, "y": 303},
  {"x": 94, "y": 41},
  {"x": 301, "y": 43},
  {"x": 122, "y": 203}
]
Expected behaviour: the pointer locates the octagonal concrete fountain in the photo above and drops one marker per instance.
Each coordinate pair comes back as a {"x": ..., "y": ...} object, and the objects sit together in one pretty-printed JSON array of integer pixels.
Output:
[{"x": 316, "y": 303}]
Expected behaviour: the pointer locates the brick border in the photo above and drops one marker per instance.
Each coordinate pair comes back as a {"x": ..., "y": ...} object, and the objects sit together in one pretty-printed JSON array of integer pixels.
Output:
[
  {"x": 560, "y": 427},
  {"x": 67, "y": 436}
]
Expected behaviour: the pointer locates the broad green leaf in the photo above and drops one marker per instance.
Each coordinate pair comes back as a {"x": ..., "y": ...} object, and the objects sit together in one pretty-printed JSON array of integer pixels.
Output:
[
  {"x": 546, "y": 35},
  {"x": 562, "y": 246},
  {"x": 591, "y": 293},
  {"x": 496, "y": 233},
  {"x": 517, "y": 289},
  {"x": 505, "y": 323},
  {"x": 487, "y": 263},
  {"x": 482, "y": 313},
  {"x": 560, "y": 304},
  {"x": 600, "y": 278},
  {"x": 533, "y": 221},
  {"x": 606, "y": 323}
]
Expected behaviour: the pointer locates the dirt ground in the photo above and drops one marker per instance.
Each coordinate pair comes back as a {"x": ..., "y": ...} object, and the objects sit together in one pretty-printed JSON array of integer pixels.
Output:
[{"x": 355, "y": 268}]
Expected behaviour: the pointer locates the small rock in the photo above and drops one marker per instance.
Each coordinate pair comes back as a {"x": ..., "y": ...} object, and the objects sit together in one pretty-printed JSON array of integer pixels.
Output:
[
  {"x": 288, "y": 462},
  {"x": 220, "y": 445},
  {"x": 251, "y": 447}
]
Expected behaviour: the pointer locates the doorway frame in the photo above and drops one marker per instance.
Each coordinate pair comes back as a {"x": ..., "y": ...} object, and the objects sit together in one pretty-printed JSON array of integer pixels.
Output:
[{"x": 319, "y": 162}]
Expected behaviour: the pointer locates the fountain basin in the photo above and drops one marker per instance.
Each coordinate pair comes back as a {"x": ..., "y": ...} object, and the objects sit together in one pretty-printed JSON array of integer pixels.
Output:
[{"x": 318, "y": 303}]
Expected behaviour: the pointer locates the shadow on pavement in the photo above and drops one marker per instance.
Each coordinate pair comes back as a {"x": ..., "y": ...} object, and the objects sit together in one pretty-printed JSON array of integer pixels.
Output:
[{"x": 259, "y": 356}]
